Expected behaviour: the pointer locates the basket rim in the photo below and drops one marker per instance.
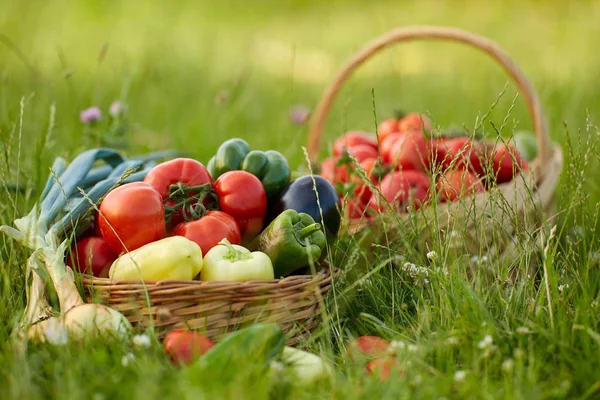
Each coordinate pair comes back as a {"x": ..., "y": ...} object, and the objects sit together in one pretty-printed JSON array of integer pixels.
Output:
[{"x": 326, "y": 273}]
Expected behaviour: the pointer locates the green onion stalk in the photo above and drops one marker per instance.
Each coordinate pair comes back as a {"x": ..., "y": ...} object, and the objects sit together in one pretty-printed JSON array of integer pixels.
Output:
[{"x": 70, "y": 193}]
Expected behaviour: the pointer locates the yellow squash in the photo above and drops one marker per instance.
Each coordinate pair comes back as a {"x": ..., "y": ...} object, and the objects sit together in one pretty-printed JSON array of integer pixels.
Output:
[{"x": 172, "y": 258}]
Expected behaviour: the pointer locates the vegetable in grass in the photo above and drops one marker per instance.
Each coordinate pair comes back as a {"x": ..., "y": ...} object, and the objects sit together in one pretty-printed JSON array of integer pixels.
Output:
[
  {"x": 230, "y": 262},
  {"x": 306, "y": 368},
  {"x": 172, "y": 258},
  {"x": 248, "y": 352},
  {"x": 292, "y": 241},
  {"x": 43, "y": 231}
]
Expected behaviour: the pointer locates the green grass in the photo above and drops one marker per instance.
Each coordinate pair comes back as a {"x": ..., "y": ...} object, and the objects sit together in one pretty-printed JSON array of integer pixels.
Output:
[{"x": 171, "y": 63}]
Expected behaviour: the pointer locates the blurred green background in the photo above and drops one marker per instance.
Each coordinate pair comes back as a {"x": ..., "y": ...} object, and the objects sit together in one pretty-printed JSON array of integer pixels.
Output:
[{"x": 196, "y": 72}]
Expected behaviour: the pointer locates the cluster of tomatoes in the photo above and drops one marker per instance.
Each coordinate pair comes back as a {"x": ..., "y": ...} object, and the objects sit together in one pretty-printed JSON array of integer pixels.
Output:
[
  {"x": 409, "y": 166},
  {"x": 175, "y": 198}
]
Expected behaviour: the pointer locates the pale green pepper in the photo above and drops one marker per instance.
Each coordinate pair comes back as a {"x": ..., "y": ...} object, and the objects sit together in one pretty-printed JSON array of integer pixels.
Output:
[
  {"x": 172, "y": 258},
  {"x": 234, "y": 263}
]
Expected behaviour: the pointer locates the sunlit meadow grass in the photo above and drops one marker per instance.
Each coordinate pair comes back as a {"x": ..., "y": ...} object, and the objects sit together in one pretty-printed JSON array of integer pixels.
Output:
[{"x": 199, "y": 72}]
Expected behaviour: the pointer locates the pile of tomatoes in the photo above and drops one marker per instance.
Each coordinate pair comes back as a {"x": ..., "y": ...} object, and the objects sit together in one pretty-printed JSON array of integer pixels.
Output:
[
  {"x": 174, "y": 199},
  {"x": 408, "y": 166}
]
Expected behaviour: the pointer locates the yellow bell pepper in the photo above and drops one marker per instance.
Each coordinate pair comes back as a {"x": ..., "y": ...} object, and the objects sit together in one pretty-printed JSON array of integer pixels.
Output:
[{"x": 172, "y": 258}]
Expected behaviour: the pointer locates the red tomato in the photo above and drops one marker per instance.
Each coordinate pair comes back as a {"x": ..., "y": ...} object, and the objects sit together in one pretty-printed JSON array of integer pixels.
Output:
[
  {"x": 187, "y": 171},
  {"x": 457, "y": 184},
  {"x": 414, "y": 121},
  {"x": 328, "y": 169},
  {"x": 242, "y": 196},
  {"x": 382, "y": 368},
  {"x": 437, "y": 152},
  {"x": 209, "y": 230},
  {"x": 332, "y": 173},
  {"x": 368, "y": 165},
  {"x": 507, "y": 162},
  {"x": 387, "y": 127},
  {"x": 356, "y": 208},
  {"x": 185, "y": 347},
  {"x": 92, "y": 255},
  {"x": 363, "y": 151},
  {"x": 131, "y": 216},
  {"x": 370, "y": 346},
  {"x": 464, "y": 153},
  {"x": 407, "y": 151},
  {"x": 352, "y": 139},
  {"x": 401, "y": 189}
]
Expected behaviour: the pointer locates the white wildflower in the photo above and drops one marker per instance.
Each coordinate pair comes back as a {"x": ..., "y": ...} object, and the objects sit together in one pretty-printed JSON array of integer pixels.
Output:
[
  {"x": 561, "y": 288},
  {"x": 141, "y": 341},
  {"x": 416, "y": 273},
  {"x": 459, "y": 376},
  {"x": 127, "y": 359},
  {"x": 486, "y": 342},
  {"x": 519, "y": 353},
  {"x": 413, "y": 348},
  {"x": 396, "y": 346},
  {"x": 508, "y": 365},
  {"x": 432, "y": 255},
  {"x": 594, "y": 304},
  {"x": 522, "y": 330},
  {"x": 490, "y": 351},
  {"x": 452, "y": 341}
]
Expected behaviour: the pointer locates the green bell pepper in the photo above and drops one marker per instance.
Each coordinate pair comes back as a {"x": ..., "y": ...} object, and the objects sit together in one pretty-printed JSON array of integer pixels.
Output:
[
  {"x": 229, "y": 157},
  {"x": 291, "y": 240},
  {"x": 271, "y": 167}
]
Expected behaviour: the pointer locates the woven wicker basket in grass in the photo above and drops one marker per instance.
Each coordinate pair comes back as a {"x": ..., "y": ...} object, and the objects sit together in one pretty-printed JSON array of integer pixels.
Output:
[
  {"x": 499, "y": 222},
  {"x": 216, "y": 308}
]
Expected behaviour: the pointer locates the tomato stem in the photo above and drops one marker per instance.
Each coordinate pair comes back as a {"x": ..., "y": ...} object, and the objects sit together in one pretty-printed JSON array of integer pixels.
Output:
[{"x": 189, "y": 200}]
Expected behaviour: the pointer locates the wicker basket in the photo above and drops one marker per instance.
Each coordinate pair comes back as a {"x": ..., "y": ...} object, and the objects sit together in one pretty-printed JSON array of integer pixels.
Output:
[
  {"x": 485, "y": 224},
  {"x": 216, "y": 308}
]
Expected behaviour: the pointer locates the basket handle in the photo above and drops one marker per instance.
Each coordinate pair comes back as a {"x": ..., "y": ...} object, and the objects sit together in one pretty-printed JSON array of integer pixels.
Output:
[{"x": 431, "y": 32}]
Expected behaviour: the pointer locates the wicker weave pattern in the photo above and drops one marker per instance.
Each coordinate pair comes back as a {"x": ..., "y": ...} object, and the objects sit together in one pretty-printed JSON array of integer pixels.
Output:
[{"x": 215, "y": 308}]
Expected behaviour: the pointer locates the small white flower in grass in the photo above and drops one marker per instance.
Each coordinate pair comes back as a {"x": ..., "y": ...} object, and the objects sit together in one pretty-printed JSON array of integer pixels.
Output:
[
  {"x": 594, "y": 304},
  {"x": 413, "y": 348},
  {"x": 141, "y": 341},
  {"x": 127, "y": 359},
  {"x": 486, "y": 342},
  {"x": 508, "y": 365},
  {"x": 432, "y": 255},
  {"x": 459, "y": 376},
  {"x": 519, "y": 353},
  {"x": 561, "y": 288},
  {"x": 452, "y": 341},
  {"x": 416, "y": 273},
  {"x": 395, "y": 347},
  {"x": 522, "y": 330},
  {"x": 490, "y": 351}
]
